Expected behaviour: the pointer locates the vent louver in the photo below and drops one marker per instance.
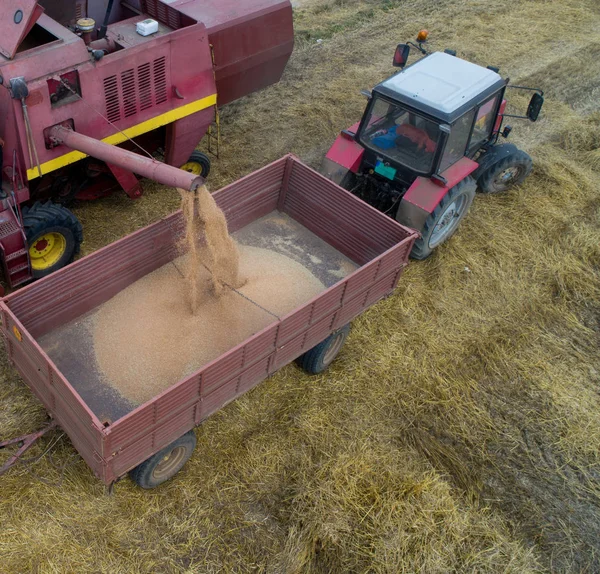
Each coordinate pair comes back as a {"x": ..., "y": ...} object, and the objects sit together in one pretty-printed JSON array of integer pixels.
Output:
[
  {"x": 136, "y": 90},
  {"x": 163, "y": 13}
]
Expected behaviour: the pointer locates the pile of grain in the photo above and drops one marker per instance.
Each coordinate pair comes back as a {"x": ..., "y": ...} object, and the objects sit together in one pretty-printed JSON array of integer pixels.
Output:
[
  {"x": 146, "y": 339},
  {"x": 162, "y": 328}
]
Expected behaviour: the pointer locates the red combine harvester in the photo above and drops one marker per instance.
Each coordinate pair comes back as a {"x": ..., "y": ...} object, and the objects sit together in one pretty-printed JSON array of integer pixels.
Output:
[
  {"x": 80, "y": 77},
  {"x": 427, "y": 140}
]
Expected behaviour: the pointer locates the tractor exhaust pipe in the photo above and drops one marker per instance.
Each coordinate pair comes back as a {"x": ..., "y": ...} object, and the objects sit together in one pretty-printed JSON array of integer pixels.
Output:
[{"x": 144, "y": 166}]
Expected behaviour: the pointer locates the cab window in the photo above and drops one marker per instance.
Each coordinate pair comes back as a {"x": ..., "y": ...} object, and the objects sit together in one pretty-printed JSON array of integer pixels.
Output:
[
  {"x": 400, "y": 135},
  {"x": 457, "y": 141},
  {"x": 484, "y": 122}
]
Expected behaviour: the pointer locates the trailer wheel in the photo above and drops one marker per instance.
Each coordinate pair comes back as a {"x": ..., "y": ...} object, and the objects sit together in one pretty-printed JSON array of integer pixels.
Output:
[
  {"x": 54, "y": 236},
  {"x": 508, "y": 171},
  {"x": 317, "y": 359},
  {"x": 445, "y": 218},
  {"x": 198, "y": 164},
  {"x": 166, "y": 463}
]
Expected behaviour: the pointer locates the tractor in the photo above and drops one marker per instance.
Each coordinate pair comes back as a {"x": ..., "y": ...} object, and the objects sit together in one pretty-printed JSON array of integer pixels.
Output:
[
  {"x": 428, "y": 139},
  {"x": 93, "y": 93}
]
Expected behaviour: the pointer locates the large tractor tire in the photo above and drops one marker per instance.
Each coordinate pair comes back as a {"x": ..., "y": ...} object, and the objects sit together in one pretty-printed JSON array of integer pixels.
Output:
[
  {"x": 445, "y": 218},
  {"x": 509, "y": 170},
  {"x": 317, "y": 359},
  {"x": 198, "y": 164},
  {"x": 54, "y": 236},
  {"x": 166, "y": 463}
]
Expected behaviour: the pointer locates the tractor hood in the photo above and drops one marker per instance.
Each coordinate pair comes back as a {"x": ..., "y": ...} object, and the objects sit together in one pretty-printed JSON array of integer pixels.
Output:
[{"x": 17, "y": 18}]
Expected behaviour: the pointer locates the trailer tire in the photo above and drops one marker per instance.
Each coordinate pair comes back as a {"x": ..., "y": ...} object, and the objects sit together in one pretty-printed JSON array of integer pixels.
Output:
[
  {"x": 454, "y": 204},
  {"x": 505, "y": 173},
  {"x": 317, "y": 359},
  {"x": 166, "y": 463},
  {"x": 198, "y": 164},
  {"x": 54, "y": 236}
]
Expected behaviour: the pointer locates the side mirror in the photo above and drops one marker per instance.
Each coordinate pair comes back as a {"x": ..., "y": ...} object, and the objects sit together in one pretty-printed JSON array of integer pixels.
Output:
[
  {"x": 535, "y": 106},
  {"x": 401, "y": 55},
  {"x": 366, "y": 94}
]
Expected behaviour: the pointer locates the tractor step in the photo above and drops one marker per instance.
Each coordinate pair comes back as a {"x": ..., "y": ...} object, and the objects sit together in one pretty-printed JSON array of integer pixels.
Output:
[{"x": 16, "y": 254}]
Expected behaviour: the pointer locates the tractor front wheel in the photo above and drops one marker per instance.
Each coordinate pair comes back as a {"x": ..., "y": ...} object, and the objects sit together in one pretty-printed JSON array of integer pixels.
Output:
[
  {"x": 510, "y": 170},
  {"x": 54, "y": 236},
  {"x": 198, "y": 164},
  {"x": 445, "y": 218}
]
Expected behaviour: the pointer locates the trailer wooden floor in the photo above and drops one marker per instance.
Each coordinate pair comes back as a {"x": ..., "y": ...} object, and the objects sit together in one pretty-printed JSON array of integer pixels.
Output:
[{"x": 459, "y": 429}]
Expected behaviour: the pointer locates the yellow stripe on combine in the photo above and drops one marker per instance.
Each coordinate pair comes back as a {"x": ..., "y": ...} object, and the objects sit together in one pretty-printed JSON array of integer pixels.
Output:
[{"x": 128, "y": 133}]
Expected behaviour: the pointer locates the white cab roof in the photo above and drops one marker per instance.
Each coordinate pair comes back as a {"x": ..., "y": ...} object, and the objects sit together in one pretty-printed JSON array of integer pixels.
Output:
[{"x": 442, "y": 82}]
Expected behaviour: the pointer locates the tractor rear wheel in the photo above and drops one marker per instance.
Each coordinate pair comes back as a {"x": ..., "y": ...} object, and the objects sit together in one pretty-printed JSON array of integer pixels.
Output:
[
  {"x": 198, "y": 164},
  {"x": 166, "y": 463},
  {"x": 445, "y": 218},
  {"x": 510, "y": 170},
  {"x": 54, "y": 236}
]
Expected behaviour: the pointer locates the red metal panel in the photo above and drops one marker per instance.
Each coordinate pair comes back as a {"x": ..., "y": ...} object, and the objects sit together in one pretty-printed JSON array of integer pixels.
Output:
[
  {"x": 129, "y": 457},
  {"x": 346, "y": 152},
  {"x": 288, "y": 352},
  {"x": 360, "y": 280},
  {"x": 394, "y": 259},
  {"x": 30, "y": 373},
  {"x": 253, "y": 375},
  {"x": 15, "y": 28},
  {"x": 261, "y": 344},
  {"x": 252, "y": 196},
  {"x": 252, "y": 41},
  {"x": 183, "y": 393},
  {"x": 89, "y": 282},
  {"x": 328, "y": 302},
  {"x": 294, "y": 323},
  {"x": 349, "y": 311},
  {"x": 175, "y": 426},
  {"x": 319, "y": 331},
  {"x": 131, "y": 426},
  {"x": 220, "y": 370},
  {"x": 425, "y": 194},
  {"x": 218, "y": 398},
  {"x": 382, "y": 288}
]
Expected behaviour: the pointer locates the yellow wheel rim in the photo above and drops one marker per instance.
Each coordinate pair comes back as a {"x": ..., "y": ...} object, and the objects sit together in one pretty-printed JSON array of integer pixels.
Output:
[
  {"x": 193, "y": 167},
  {"x": 46, "y": 250}
]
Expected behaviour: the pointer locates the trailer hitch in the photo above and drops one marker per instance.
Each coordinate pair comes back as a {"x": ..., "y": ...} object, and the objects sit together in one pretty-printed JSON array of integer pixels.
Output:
[{"x": 24, "y": 443}]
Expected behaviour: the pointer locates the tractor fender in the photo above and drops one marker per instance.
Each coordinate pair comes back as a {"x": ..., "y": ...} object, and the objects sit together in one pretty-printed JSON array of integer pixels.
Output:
[
  {"x": 343, "y": 158},
  {"x": 492, "y": 156},
  {"x": 423, "y": 196}
]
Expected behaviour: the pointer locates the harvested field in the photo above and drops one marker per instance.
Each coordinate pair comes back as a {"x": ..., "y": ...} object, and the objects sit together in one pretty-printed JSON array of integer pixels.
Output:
[{"x": 458, "y": 431}]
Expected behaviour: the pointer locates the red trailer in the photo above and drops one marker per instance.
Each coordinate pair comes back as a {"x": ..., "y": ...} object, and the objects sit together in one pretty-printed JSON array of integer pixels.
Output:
[{"x": 152, "y": 439}]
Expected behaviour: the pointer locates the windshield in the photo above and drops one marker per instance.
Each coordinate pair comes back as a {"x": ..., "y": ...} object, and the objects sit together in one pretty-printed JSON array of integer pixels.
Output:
[{"x": 402, "y": 136}]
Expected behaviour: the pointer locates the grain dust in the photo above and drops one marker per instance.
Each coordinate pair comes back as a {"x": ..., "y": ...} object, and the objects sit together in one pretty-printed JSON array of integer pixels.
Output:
[{"x": 203, "y": 217}]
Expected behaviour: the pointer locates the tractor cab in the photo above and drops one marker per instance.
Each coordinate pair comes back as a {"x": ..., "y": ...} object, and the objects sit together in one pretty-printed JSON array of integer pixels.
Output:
[{"x": 425, "y": 118}]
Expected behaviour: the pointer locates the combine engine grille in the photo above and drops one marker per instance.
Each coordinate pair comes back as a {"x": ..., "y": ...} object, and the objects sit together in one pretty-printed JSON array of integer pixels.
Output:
[{"x": 135, "y": 90}]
